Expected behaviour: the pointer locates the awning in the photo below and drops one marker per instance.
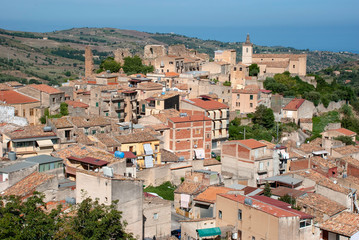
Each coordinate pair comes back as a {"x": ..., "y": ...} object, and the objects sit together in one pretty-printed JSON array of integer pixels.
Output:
[
  {"x": 45, "y": 143},
  {"x": 148, "y": 161},
  {"x": 148, "y": 149},
  {"x": 199, "y": 153},
  {"x": 208, "y": 232}
]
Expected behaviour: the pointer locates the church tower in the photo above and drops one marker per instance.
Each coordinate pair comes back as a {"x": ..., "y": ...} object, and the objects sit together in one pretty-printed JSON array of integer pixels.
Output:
[{"x": 247, "y": 52}]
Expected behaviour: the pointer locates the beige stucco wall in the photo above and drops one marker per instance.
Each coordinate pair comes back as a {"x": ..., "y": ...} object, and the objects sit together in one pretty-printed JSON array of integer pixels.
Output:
[{"x": 157, "y": 215}]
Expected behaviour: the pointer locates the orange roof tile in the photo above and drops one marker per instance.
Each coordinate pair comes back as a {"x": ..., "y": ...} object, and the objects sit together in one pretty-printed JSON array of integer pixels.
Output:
[
  {"x": 344, "y": 131},
  {"x": 210, "y": 194},
  {"x": 12, "y": 97},
  {"x": 345, "y": 223},
  {"x": 45, "y": 88},
  {"x": 294, "y": 104},
  {"x": 251, "y": 143},
  {"x": 76, "y": 104},
  {"x": 206, "y": 104},
  {"x": 171, "y": 74},
  {"x": 28, "y": 184}
]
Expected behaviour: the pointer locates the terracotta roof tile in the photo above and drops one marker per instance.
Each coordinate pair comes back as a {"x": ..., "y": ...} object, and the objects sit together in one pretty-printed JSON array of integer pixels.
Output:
[
  {"x": 210, "y": 162},
  {"x": 107, "y": 139},
  {"x": 262, "y": 206},
  {"x": 282, "y": 191},
  {"x": 250, "y": 143},
  {"x": 346, "y": 150},
  {"x": 294, "y": 104},
  {"x": 209, "y": 195},
  {"x": 206, "y": 104},
  {"x": 290, "y": 56},
  {"x": 4, "y": 87},
  {"x": 165, "y": 114},
  {"x": 168, "y": 156},
  {"x": 45, "y": 88},
  {"x": 12, "y": 97},
  {"x": 320, "y": 204},
  {"x": 344, "y": 131},
  {"x": 190, "y": 188},
  {"x": 28, "y": 184},
  {"x": 76, "y": 104},
  {"x": 30, "y": 132},
  {"x": 62, "y": 122},
  {"x": 149, "y": 86},
  {"x": 138, "y": 137},
  {"x": 323, "y": 163},
  {"x": 344, "y": 223},
  {"x": 171, "y": 74}
]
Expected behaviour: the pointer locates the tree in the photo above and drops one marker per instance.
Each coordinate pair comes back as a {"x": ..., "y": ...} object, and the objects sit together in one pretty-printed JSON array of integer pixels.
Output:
[
  {"x": 253, "y": 70},
  {"x": 263, "y": 116},
  {"x": 267, "y": 190},
  {"x": 345, "y": 139},
  {"x": 134, "y": 65},
  {"x": 64, "y": 111},
  {"x": 110, "y": 64},
  {"x": 289, "y": 199},
  {"x": 46, "y": 115},
  {"x": 87, "y": 220}
]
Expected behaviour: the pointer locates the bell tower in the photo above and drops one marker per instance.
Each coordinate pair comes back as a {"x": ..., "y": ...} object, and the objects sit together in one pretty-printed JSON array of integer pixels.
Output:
[{"x": 247, "y": 51}]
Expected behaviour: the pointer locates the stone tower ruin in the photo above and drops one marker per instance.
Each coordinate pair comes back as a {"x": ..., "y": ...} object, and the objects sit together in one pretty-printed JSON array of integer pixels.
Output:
[{"x": 88, "y": 62}]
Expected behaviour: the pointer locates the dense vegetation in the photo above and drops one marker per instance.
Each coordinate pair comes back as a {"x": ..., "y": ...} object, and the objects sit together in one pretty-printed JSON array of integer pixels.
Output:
[
  {"x": 290, "y": 86},
  {"x": 87, "y": 220},
  {"x": 132, "y": 65},
  {"x": 165, "y": 190}
]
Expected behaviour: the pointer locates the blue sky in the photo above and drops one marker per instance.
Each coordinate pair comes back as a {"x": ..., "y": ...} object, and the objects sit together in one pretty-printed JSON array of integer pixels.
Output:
[{"x": 314, "y": 24}]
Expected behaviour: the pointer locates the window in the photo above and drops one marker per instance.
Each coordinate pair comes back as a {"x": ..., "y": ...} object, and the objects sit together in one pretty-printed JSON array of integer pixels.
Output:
[
  {"x": 237, "y": 96},
  {"x": 240, "y": 69},
  {"x": 293, "y": 66},
  {"x": 250, "y": 97},
  {"x": 107, "y": 114},
  {"x": 235, "y": 69},
  {"x": 86, "y": 131},
  {"x": 246, "y": 49},
  {"x": 31, "y": 112},
  {"x": 96, "y": 104},
  {"x": 158, "y": 102},
  {"x": 16, "y": 112},
  {"x": 23, "y": 112},
  {"x": 155, "y": 216},
  {"x": 93, "y": 132},
  {"x": 251, "y": 105},
  {"x": 67, "y": 134},
  {"x": 53, "y": 100},
  {"x": 220, "y": 214},
  {"x": 208, "y": 136},
  {"x": 253, "y": 238},
  {"x": 207, "y": 146},
  {"x": 239, "y": 214}
]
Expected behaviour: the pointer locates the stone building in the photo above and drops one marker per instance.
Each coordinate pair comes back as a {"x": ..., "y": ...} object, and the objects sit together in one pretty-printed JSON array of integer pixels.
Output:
[
  {"x": 156, "y": 217},
  {"x": 49, "y": 97},
  {"x": 27, "y": 107},
  {"x": 89, "y": 67},
  {"x": 128, "y": 192},
  {"x": 271, "y": 64},
  {"x": 228, "y": 56},
  {"x": 154, "y": 51},
  {"x": 297, "y": 109},
  {"x": 121, "y": 53}
]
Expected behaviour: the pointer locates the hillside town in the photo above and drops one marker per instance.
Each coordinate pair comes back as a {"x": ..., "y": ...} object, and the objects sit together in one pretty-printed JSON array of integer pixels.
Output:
[{"x": 196, "y": 148}]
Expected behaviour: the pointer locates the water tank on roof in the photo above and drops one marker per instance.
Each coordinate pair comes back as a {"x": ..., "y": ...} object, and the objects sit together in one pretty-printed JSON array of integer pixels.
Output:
[
  {"x": 12, "y": 156},
  {"x": 70, "y": 200},
  {"x": 47, "y": 129},
  {"x": 119, "y": 154},
  {"x": 248, "y": 201}
]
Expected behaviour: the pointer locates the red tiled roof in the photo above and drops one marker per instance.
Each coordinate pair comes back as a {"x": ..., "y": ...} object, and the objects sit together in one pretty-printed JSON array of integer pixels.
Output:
[
  {"x": 12, "y": 97},
  {"x": 251, "y": 143},
  {"x": 91, "y": 82},
  {"x": 265, "y": 91},
  {"x": 344, "y": 131},
  {"x": 45, "y": 88},
  {"x": 171, "y": 74},
  {"x": 206, "y": 104},
  {"x": 294, "y": 104},
  {"x": 129, "y": 154},
  {"x": 345, "y": 223},
  {"x": 90, "y": 160},
  {"x": 282, "y": 205},
  {"x": 193, "y": 118},
  {"x": 76, "y": 104},
  {"x": 262, "y": 206}
]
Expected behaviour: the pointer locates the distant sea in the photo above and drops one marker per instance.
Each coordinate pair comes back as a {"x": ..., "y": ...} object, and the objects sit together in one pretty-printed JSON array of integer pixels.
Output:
[
  {"x": 327, "y": 38},
  {"x": 322, "y": 38}
]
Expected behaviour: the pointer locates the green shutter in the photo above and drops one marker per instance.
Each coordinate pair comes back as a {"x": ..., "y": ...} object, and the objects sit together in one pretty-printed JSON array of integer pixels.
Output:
[{"x": 97, "y": 104}]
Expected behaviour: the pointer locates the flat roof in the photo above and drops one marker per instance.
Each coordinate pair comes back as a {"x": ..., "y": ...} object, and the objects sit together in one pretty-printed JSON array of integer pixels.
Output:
[
  {"x": 284, "y": 179},
  {"x": 16, "y": 167},
  {"x": 43, "y": 159}
]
